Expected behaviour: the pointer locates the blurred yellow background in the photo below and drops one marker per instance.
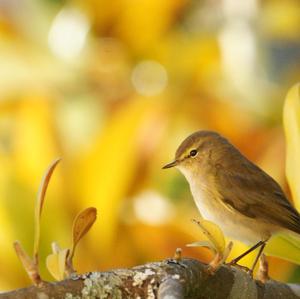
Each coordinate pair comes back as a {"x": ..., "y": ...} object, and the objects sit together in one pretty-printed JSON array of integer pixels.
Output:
[{"x": 112, "y": 87}]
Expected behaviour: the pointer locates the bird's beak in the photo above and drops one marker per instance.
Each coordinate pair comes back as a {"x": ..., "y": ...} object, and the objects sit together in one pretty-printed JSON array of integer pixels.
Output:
[{"x": 172, "y": 164}]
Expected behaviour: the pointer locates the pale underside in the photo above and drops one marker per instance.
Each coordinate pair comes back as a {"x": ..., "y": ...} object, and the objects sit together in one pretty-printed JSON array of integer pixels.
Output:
[{"x": 234, "y": 224}]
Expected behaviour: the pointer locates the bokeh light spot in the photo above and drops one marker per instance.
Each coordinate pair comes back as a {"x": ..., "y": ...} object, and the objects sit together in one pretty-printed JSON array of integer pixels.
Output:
[
  {"x": 238, "y": 51},
  {"x": 68, "y": 33},
  {"x": 151, "y": 208},
  {"x": 149, "y": 78}
]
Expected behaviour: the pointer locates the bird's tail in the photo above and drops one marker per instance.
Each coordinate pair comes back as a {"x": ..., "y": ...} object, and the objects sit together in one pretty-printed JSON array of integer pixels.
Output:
[{"x": 285, "y": 246}]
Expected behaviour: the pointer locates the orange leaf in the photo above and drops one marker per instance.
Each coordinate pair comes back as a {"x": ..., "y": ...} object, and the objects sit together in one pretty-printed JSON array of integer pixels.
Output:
[
  {"x": 39, "y": 206},
  {"x": 81, "y": 225}
]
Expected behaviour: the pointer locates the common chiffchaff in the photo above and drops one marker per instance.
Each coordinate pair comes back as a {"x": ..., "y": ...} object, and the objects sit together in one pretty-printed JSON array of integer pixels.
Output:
[{"x": 231, "y": 191}]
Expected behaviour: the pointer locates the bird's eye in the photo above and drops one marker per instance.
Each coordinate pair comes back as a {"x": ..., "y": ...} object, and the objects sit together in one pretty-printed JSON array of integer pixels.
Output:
[{"x": 193, "y": 153}]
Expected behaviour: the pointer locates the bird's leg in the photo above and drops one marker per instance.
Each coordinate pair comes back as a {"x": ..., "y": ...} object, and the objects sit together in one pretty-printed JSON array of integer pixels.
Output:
[
  {"x": 234, "y": 261},
  {"x": 258, "y": 256}
]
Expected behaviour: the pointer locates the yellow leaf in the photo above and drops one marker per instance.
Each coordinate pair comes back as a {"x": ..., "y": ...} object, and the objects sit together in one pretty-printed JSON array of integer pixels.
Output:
[
  {"x": 291, "y": 122},
  {"x": 56, "y": 263},
  {"x": 39, "y": 206},
  {"x": 81, "y": 225},
  {"x": 213, "y": 234},
  {"x": 204, "y": 243},
  {"x": 227, "y": 251}
]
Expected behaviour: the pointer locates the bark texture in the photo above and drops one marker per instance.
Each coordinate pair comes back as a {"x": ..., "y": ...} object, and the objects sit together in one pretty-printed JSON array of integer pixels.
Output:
[{"x": 168, "y": 279}]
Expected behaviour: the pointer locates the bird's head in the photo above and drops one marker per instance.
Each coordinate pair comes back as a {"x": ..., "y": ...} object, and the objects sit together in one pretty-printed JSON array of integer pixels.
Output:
[{"x": 197, "y": 150}]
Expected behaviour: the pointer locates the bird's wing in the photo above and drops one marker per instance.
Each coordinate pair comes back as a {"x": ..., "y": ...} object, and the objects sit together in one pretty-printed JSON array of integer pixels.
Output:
[{"x": 255, "y": 194}]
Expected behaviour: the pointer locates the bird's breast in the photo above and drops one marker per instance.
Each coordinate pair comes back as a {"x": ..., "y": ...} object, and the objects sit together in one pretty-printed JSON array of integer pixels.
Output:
[
  {"x": 206, "y": 202},
  {"x": 233, "y": 224}
]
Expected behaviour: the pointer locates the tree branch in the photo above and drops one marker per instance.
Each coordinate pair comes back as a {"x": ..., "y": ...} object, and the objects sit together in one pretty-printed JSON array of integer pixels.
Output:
[{"x": 167, "y": 279}]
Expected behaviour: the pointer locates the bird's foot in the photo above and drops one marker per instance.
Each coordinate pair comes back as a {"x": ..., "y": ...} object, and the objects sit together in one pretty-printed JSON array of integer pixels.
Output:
[
  {"x": 263, "y": 269},
  {"x": 234, "y": 263}
]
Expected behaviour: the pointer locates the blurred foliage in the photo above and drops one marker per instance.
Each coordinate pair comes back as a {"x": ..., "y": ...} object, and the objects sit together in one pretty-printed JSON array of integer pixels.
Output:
[
  {"x": 291, "y": 120},
  {"x": 112, "y": 87}
]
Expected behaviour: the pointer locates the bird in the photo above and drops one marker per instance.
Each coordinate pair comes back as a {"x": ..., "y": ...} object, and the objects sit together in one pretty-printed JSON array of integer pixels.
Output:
[{"x": 233, "y": 192}]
